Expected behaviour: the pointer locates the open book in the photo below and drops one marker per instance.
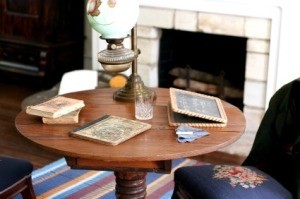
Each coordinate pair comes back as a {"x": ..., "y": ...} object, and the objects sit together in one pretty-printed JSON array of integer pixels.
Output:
[
  {"x": 110, "y": 130},
  {"x": 195, "y": 109}
]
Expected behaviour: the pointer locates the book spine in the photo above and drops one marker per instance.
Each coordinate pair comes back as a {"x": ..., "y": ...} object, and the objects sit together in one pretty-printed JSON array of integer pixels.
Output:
[{"x": 38, "y": 112}]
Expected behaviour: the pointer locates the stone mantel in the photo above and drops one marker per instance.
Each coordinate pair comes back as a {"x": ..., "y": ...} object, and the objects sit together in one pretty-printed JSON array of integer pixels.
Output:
[
  {"x": 246, "y": 8},
  {"x": 255, "y": 8}
]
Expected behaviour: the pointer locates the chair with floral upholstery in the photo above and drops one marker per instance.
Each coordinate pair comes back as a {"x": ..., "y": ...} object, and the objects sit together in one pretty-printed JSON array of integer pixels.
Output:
[{"x": 271, "y": 170}]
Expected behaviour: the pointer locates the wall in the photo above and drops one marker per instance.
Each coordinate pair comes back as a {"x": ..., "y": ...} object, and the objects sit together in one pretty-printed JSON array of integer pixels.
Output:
[{"x": 289, "y": 59}]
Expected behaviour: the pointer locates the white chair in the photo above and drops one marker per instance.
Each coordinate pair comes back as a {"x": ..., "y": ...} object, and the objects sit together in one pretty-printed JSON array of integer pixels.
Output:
[{"x": 78, "y": 80}]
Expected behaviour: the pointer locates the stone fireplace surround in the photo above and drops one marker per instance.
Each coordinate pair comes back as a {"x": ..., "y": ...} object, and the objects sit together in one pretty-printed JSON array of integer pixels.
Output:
[{"x": 260, "y": 24}]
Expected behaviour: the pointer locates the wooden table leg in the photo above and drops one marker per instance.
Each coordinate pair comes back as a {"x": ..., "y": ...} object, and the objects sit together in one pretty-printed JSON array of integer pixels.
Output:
[{"x": 130, "y": 184}]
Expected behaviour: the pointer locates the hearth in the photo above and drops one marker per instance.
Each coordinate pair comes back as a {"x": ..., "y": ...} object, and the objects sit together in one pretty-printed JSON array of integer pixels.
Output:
[{"x": 205, "y": 63}]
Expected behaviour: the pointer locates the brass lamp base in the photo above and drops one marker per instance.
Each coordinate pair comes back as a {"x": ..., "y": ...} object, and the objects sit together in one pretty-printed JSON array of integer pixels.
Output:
[{"x": 133, "y": 86}]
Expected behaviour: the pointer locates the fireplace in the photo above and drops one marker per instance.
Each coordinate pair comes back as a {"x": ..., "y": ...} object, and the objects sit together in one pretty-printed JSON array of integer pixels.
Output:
[
  {"x": 257, "y": 24},
  {"x": 205, "y": 63}
]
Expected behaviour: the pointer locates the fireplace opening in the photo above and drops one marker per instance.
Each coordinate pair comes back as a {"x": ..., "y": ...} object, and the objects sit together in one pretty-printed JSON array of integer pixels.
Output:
[{"x": 204, "y": 63}]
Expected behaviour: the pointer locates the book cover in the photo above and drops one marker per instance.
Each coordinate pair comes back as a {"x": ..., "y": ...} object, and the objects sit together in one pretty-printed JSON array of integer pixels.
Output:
[
  {"x": 110, "y": 130},
  {"x": 195, "y": 109},
  {"x": 55, "y": 107},
  {"x": 70, "y": 118}
]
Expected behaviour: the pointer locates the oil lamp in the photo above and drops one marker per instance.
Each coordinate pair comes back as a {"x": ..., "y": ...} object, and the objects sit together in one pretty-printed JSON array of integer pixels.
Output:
[{"x": 115, "y": 20}]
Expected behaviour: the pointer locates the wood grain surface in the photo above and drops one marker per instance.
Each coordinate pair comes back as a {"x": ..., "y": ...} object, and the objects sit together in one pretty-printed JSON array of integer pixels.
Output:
[{"x": 157, "y": 144}]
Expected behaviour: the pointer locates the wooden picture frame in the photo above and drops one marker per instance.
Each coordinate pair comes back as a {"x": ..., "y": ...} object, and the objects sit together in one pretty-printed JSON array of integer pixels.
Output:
[{"x": 195, "y": 109}]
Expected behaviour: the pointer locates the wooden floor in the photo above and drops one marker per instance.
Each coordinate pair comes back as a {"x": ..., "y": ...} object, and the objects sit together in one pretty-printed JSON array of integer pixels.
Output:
[{"x": 13, "y": 144}]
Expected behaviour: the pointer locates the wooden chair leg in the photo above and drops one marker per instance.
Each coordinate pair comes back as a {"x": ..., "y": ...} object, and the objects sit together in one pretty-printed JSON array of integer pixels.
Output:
[
  {"x": 23, "y": 186},
  {"x": 28, "y": 192}
]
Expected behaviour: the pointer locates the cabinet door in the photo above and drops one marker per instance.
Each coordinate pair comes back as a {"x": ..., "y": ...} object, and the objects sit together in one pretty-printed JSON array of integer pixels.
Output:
[
  {"x": 20, "y": 18},
  {"x": 29, "y": 8},
  {"x": 42, "y": 20}
]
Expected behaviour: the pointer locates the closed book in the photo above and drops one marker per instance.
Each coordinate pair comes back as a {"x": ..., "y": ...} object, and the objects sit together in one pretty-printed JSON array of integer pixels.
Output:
[
  {"x": 110, "y": 130},
  {"x": 55, "y": 107},
  {"x": 70, "y": 118}
]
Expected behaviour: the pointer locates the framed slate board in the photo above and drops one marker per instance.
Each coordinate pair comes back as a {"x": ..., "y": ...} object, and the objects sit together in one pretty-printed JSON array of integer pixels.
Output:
[{"x": 195, "y": 109}]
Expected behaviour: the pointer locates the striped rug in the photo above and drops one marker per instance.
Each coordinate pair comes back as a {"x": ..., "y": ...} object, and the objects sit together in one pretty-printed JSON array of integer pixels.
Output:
[{"x": 58, "y": 181}]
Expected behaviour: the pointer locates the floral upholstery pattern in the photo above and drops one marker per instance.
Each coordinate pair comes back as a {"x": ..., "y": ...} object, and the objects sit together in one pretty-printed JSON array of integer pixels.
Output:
[
  {"x": 226, "y": 182},
  {"x": 237, "y": 175}
]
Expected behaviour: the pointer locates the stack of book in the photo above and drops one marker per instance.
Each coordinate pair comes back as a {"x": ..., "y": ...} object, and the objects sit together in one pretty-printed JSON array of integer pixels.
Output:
[{"x": 57, "y": 110}]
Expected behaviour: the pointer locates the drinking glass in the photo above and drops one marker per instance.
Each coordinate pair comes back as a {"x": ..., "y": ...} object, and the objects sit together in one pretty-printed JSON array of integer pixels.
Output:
[{"x": 144, "y": 105}]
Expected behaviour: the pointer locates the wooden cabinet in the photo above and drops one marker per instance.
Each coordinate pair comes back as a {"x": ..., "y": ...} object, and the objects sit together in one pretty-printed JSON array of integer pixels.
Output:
[{"x": 40, "y": 39}]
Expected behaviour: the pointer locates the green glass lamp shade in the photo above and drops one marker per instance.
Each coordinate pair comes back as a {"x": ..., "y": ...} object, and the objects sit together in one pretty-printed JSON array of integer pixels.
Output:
[{"x": 113, "y": 19}]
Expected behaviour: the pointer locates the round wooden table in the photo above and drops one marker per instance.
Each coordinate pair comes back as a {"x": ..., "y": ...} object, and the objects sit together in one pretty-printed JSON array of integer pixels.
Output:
[{"x": 150, "y": 151}]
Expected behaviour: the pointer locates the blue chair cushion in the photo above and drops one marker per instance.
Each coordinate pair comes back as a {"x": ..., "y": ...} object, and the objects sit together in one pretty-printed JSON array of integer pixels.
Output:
[
  {"x": 225, "y": 181},
  {"x": 13, "y": 170}
]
